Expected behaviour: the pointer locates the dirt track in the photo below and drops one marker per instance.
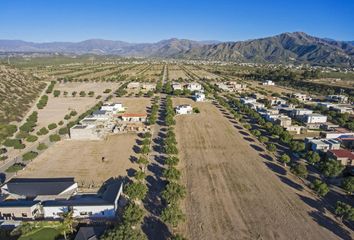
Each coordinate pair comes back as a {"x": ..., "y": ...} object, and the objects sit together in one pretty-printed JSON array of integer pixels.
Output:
[{"x": 235, "y": 193}]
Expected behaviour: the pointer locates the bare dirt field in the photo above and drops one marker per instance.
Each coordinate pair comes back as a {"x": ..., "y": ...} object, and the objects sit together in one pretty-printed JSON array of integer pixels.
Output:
[
  {"x": 97, "y": 87},
  {"x": 134, "y": 104},
  {"x": 235, "y": 191},
  {"x": 83, "y": 160}
]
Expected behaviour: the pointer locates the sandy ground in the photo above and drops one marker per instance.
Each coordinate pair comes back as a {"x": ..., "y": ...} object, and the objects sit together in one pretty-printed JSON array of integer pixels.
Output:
[
  {"x": 83, "y": 160},
  {"x": 235, "y": 193},
  {"x": 134, "y": 104},
  {"x": 97, "y": 87}
]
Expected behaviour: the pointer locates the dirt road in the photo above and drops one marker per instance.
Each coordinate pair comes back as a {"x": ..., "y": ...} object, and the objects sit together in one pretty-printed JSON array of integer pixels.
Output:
[{"x": 234, "y": 192}]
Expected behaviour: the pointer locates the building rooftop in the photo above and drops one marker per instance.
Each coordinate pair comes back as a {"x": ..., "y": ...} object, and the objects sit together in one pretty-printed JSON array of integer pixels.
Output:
[
  {"x": 342, "y": 153},
  {"x": 18, "y": 203},
  {"x": 32, "y": 187},
  {"x": 90, "y": 233}
]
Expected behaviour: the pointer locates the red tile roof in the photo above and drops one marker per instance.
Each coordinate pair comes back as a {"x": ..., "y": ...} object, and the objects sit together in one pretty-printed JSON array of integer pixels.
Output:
[
  {"x": 342, "y": 153},
  {"x": 133, "y": 115}
]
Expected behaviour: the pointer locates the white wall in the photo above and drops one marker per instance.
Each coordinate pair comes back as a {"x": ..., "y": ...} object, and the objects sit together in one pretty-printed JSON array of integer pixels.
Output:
[{"x": 95, "y": 211}]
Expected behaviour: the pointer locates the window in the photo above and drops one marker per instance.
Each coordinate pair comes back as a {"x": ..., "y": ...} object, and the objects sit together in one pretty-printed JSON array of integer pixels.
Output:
[{"x": 24, "y": 214}]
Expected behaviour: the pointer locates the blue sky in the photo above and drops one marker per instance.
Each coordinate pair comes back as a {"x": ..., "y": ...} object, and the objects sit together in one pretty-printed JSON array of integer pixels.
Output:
[{"x": 154, "y": 20}]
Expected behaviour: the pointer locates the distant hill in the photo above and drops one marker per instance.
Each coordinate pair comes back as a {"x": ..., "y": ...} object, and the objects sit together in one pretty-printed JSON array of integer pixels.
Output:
[{"x": 297, "y": 47}]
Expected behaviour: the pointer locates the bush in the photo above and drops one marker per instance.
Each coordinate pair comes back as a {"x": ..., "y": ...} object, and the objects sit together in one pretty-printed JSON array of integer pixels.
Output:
[
  {"x": 196, "y": 110},
  {"x": 15, "y": 167},
  {"x": 52, "y": 126},
  {"x": 56, "y": 93},
  {"x": 11, "y": 142},
  {"x": 31, "y": 138},
  {"x": 82, "y": 94},
  {"x": 107, "y": 90},
  {"x": 171, "y": 174},
  {"x": 136, "y": 190},
  {"x": 331, "y": 168},
  {"x": 54, "y": 138},
  {"x": 320, "y": 187},
  {"x": 348, "y": 184},
  {"x": 172, "y": 215},
  {"x": 41, "y": 147},
  {"x": 63, "y": 131},
  {"x": 271, "y": 147},
  {"x": 60, "y": 123},
  {"x": 42, "y": 131},
  {"x": 299, "y": 170},
  {"x": 73, "y": 113},
  {"x": 29, "y": 156}
]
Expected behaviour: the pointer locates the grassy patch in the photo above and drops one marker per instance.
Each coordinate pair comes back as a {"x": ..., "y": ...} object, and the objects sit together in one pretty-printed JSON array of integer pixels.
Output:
[{"x": 42, "y": 234}]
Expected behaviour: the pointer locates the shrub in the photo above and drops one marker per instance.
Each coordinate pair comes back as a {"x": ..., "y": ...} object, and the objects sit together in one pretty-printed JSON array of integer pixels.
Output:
[
  {"x": 29, "y": 156},
  {"x": 136, "y": 190},
  {"x": 320, "y": 187},
  {"x": 82, "y": 94},
  {"x": 63, "y": 131},
  {"x": 56, "y": 93},
  {"x": 42, "y": 131},
  {"x": 41, "y": 147},
  {"x": 31, "y": 138},
  {"x": 52, "y": 126},
  {"x": 54, "y": 138},
  {"x": 299, "y": 170},
  {"x": 60, "y": 123}
]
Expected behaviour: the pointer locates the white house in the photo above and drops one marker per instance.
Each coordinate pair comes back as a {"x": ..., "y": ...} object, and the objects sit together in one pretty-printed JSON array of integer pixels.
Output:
[
  {"x": 113, "y": 107},
  {"x": 300, "y": 112},
  {"x": 194, "y": 87},
  {"x": 337, "y": 98},
  {"x": 223, "y": 87},
  {"x": 133, "y": 117},
  {"x": 301, "y": 97},
  {"x": 148, "y": 86},
  {"x": 248, "y": 100},
  {"x": 184, "y": 109},
  {"x": 199, "y": 97},
  {"x": 322, "y": 144},
  {"x": 176, "y": 86},
  {"x": 314, "y": 118},
  {"x": 268, "y": 83},
  {"x": 133, "y": 85}
]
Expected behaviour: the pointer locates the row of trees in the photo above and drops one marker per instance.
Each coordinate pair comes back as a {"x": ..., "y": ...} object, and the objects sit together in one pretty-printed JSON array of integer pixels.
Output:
[
  {"x": 328, "y": 167},
  {"x": 173, "y": 192},
  {"x": 154, "y": 110},
  {"x": 136, "y": 192}
]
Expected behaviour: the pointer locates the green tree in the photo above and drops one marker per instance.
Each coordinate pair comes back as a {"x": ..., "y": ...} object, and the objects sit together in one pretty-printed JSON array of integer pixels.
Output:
[
  {"x": 31, "y": 138},
  {"x": 313, "y": 157},
  {"x": 172, "y": 215},
  {"x": 142, "y": 160},
  {"x": 136, "y": 190},
  {"x": 320, "y": 187},
  {"x": 285, "y": 159},
  {"x": 41, "y": 147},
  {"x": 54, "y": 138},
  {"x": 297, "y": 146},
  {"x": 56, "y": 93},
  {"x": 52, "y": 126},
  {"x": 173, "y": 192},
  {"x": 299, "y": 170},
  {"x": 256, "y": 133},
  {"x": 67, "y": 224},
  {"x": 145, "y": 149},
  {"x": 171, "y": 160},
  {"x": 263, "y": 139},
  {"x": 331, "y": 168},
  {"x": 132, "y": 214},
  {"x": 344, "y": 211},
  {"x": 348, "y": 184},
  {"x": 271, "y": 147},
  {"x": 139, "y": 175},
  {"x": 124, "y": 232},
  {"x": 177, "y": 237},
  {"x": 171, "y": 174},
  {"x": 29, "y": 155}
]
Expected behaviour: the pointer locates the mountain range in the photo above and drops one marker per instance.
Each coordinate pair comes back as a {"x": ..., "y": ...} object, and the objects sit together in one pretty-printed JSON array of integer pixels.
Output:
[{"x": 296, "y": 47}]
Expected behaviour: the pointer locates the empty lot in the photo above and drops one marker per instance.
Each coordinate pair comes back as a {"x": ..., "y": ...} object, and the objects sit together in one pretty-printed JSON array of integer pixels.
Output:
[
  {"x": 234, "y": 193},
  {"x": 83, "y": 160}
]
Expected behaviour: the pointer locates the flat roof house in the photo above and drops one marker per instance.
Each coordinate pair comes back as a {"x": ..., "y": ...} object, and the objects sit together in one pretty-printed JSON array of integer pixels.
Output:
[
  {"x": 20, "y": 209},
  {"x": 113, "y": 107},
  {"x": 133, "y": 85},
  {"x": 323, "y": 144},
  {"x": 133, "y": 117},
  {"x": 199, "y": 97},
  {"x": 300, "y": 111},
  {"x": 345, "y": 157},
  {"x": 176, "y": 86},
  {"x": 39, "y": 188},
  {"x": 184, "y": 109},
  {"x": 314, "y": 118},
  {"x": 194, "y": 86},
  {"x": 268, "y": 83},
  {"x": 84, "y": 132},
  {"x": 148, "y": 86},
  {"x": 247, "y": 100}
]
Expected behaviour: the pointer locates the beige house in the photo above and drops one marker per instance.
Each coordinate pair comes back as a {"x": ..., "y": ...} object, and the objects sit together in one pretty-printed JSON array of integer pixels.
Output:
[{"x": 20, "y": 209}]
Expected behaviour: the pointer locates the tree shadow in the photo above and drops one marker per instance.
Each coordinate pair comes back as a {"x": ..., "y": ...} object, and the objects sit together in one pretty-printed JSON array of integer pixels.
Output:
[
  {"x": 330, "y": 224},
  {"x": 275, "y": 168},
  {"x": 244, "y": 133},
  {"x": 316, "y": 204},
  {"x": 136, "y": 149},
  {"x": 131, "y": 172},
  {"x": 266, "y": 156},
  {"x": 249, "y": 139},
  {"x": 291, "y": 183},
  {"x": 133, "y": 159},
  {"x": 257, "y": 148},
  {"x": 155, "y": 229}
]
